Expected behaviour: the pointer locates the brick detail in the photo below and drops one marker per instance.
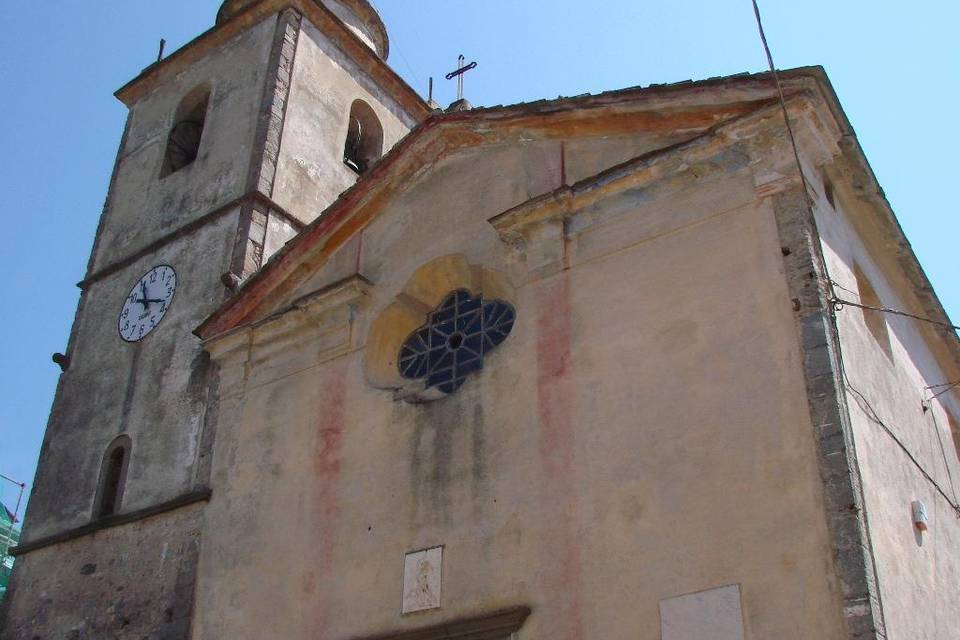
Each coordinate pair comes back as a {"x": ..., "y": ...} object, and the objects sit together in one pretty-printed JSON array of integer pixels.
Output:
[
  {"x": 251, "y": 232},
  {"x": 256, "y": 238},
  {"x": 839, "y": 470},
  {"x": 274, "y": 106}
]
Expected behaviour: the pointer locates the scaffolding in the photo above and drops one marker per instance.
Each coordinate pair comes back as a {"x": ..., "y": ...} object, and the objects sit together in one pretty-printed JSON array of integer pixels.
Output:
[{"x": 9, "y": 534}]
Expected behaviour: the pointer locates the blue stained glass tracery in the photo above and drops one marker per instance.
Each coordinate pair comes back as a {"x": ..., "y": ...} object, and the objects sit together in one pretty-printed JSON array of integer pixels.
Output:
[{"x": 455, "y": 339}]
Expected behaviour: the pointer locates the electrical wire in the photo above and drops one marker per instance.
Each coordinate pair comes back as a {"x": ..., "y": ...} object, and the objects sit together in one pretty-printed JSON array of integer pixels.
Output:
[
  {"x": 872, "y": 414},
  {"x": 949, "y": 387},
  {"x": 840, "y": 303},
  {"x": 862, "y": 401},
  {"x": 943, "y": 450},
  {"x": 783, "y": 104},
  {"x": 868, "y": 408},
  {"x": 944, "y": 384},
  {"x": 413, "y": 71},
  {"x": 806, "y": 184},
  {"x": 837, "y": 285}
]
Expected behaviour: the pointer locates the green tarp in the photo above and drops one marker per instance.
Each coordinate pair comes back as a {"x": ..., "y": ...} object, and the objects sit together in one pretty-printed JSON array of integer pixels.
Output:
[{"x": 9, "y": 536}]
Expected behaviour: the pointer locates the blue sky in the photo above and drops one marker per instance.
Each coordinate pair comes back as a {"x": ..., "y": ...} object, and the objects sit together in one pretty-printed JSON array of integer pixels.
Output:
[{"x": 894, "y": 66}]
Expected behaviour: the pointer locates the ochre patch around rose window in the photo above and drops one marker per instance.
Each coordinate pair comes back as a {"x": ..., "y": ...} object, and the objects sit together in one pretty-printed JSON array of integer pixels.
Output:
[{"x": 440, "y": 329}]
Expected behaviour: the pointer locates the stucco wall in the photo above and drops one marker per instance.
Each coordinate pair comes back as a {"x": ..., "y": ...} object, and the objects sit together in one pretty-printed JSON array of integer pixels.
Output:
[
  {"x": 642, "y": 434},
  {"x": 113, "y": 387},
  {"x": 154, "y": 391},
  {"x": 919, "y": 574},
  {"x": 143, "y": 206},
  {"x": 310, "y": 170}
]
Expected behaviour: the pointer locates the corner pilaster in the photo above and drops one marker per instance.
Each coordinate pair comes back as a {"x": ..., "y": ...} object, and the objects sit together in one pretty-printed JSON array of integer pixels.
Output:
[
  {"x": 252, "y": 231},
  {"x": 837, "y": 455}
]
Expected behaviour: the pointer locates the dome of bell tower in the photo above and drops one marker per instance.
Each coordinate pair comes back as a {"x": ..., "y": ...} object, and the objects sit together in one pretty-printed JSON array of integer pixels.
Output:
[{"x": 358, "y": 15}]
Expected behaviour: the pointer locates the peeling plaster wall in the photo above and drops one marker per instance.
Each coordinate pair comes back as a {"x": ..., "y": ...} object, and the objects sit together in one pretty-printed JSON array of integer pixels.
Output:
[
  {"x": 136, "y": 579},
  {"x": 155, "y": 391},
  {"x": 144, "y": 207},
  {"x": 919, "y": 575},
  {"x": 643, "y": 433},
  {"x": 310, "y": 170},
  {"x": 159, "y": 393}
]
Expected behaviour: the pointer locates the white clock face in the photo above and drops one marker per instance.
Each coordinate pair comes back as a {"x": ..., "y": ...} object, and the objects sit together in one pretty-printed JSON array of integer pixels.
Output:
[{"x": 148, "y": 302}]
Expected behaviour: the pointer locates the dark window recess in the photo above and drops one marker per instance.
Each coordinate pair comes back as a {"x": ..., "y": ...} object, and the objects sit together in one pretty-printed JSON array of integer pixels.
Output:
[
  {"x": 183, "y": 143},
  {"x": 455, "y": 340},
  {"x": 113, "y": 475},
  {"x": 875, "y": 320},
  {"x": 364, "y": 144},
  {"x": 954, "y": 430},
  {"x": 828, "y": 192}
]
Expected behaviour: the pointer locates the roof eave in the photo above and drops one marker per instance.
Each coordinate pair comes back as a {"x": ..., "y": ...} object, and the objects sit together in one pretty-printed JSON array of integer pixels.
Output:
[
  {"x": 259, "y": 282},
  {"x": 328, "y": 221},
  {"x": 320, "y": 16},
  {"x": 932, "y": 307}
]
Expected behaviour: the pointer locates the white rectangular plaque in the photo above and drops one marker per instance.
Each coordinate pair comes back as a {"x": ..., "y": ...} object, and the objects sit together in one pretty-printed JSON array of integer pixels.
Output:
[
  {"x": 422, "y": 573},
  {"x": 707, "y": 615}
]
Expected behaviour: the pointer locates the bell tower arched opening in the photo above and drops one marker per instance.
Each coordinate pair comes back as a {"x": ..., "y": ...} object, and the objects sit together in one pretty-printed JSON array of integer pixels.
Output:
[
  {"x": 183, "y": 142},
  {"x": 364, "y": 144}
]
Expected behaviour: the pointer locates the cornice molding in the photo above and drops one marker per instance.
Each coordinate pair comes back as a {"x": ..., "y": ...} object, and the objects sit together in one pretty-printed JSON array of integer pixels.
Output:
[
  {"x": 253, "y": 197},
  {"x": 494, "y": 626},
  {"x": 443, "y": 135},
  {"x": 185, "y": 500},
  {"x": 308, "y": 307},
  {"x": 313, "y": 329}
]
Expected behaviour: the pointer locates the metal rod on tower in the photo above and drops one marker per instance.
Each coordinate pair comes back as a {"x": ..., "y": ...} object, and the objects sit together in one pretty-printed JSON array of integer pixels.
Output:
[
  {"x": 12, "y": 481},
  {"x": 163, "y": 45},
  {"x": 430, "y": 98}
]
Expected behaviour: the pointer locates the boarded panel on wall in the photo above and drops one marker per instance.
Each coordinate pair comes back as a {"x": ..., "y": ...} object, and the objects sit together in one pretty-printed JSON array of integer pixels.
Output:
[{"x": 707, "y": 615}]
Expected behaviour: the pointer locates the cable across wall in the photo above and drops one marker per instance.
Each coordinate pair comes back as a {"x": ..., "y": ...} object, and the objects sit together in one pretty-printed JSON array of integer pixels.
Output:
[{"x": 839, "y": 303}]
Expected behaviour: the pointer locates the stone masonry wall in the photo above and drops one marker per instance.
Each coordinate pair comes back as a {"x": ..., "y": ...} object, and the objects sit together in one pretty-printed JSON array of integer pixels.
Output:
[{"x": 129, "y": 582}]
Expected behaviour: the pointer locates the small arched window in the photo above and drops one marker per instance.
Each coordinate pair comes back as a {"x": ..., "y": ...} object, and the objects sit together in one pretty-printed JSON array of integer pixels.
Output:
[
  {"x": 364, "y": 144},
  {"x": 113, "y": 476},
  {"x": 183, "y": 142}
]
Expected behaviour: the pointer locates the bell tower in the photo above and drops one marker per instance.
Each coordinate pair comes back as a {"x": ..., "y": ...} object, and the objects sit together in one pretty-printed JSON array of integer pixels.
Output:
[{"x": 232, "y": 145}]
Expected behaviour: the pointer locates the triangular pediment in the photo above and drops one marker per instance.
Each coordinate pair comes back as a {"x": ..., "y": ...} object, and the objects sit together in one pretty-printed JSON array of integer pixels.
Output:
[{"x": 594, "y": 135}]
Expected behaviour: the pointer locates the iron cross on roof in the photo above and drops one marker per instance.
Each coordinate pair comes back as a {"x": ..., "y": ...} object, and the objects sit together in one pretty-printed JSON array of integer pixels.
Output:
[{"x": 459, "y": 73}]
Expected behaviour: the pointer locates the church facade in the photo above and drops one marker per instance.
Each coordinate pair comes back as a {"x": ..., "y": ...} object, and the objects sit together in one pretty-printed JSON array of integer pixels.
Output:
[{"x": 349, "y": 366}]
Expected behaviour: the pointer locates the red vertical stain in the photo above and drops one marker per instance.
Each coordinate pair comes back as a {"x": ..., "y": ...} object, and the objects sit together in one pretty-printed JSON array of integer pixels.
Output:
[
  {"x": 359, "y": 250},
  {"x": 327, "y": 466},
  {"x": 561, "y": 577},
  {"x": 563, "y": 163}
]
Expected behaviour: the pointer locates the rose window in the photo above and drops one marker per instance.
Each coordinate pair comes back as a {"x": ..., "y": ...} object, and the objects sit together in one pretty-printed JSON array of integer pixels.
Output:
[{"x": 455, "y": 340}]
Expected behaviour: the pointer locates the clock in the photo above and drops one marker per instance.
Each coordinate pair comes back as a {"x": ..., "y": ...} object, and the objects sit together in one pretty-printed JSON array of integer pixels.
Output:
[{"x": 148, "y": 301}]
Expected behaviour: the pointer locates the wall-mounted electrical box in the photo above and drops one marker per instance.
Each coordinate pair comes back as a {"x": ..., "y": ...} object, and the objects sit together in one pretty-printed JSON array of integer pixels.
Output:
[{"x": 920, "y": 515}]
